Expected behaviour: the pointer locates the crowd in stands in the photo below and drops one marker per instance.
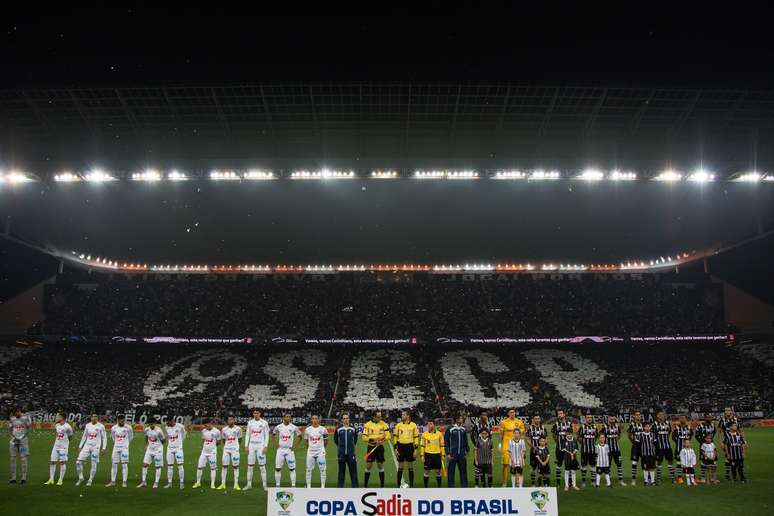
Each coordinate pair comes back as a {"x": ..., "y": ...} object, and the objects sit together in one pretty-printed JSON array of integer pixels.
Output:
[
  {"x": 432, "y": 380},
  {"x": 365, "y": 305}
]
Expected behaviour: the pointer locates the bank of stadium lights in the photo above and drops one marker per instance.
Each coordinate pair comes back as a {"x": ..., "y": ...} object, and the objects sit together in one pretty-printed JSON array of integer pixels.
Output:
[
  {"x": 14, "y": 177},
  {"x": 753, "y": 177},
  {"x": 591, "y": 175},
  {"x": 258, "y": 175},
  {"x": 150, "y": 176},
  {"x": 66, "y": 177},
  {"x": 323, "y": 174},
  {"x": 98, "y": 176},
  {"x": 224, "y": 175},
  {"x": 619, "y": 175},
  {"x": 509, "y": 175},
  {"x": 543, "y": 175},
  {"x": 701, "y": 176},
  {"x": 384, "y": 174},
  {"x": 478, "y": 267},
  {"x": 669, "y": 176},
  {"x": 176, "y": 175}
]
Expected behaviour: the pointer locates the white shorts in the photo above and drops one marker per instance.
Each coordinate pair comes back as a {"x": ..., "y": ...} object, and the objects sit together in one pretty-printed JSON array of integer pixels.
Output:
[
  {"x": 255, "y": 454},
  {"x": 19, "y": 448},
  {"x": 208, "y": 458},
  {"x": 154, "y": 457},
  {"x": 230, "y": 456},
  {"x": 315, "y": 458},
  {"x": 285, "y": 455},
  {"x": 174, "y": 456},
  {"x": 120, "y": 455},
  {"x": 89, "y": 452},
  {"x": 59, "y": 454}
]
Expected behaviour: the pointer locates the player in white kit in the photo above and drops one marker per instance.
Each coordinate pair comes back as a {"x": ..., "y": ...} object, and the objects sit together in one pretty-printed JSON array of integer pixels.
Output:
[
  {"x": 154, "y": 452},
  {"x": 175, "y": 436},
  {"x": 209, "y": 455},
  {"x": 60, "y": 450},
  {"x": 93, "y": 444},
  {"x": 285, "y": 432},
  {"x": 256, "y": 444},
  {"x": 122, "y": 434},
  {"x": 19, "y": 425},
  {"x": 231, "y": 436},
  {"x": 315, "y": 436}
]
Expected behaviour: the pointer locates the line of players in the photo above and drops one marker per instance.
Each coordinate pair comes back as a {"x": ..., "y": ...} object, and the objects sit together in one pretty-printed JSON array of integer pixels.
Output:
[{"x": 597, "y": 446}]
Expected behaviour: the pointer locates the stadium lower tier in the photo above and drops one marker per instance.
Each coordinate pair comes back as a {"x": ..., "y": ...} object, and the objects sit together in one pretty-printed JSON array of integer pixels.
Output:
[
  {"x": 667, "y": 499},
  {"x": 431, "y": 380}
]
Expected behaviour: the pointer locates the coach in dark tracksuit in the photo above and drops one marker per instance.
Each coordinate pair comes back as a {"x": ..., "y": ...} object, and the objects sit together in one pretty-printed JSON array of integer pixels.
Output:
[
  {"x": 346, "y": 439},
  {"x": 456, "y": 440}
]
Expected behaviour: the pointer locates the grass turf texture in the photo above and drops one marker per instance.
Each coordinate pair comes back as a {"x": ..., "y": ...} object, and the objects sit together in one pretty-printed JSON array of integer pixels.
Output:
[{"x": 754, "y": 498}]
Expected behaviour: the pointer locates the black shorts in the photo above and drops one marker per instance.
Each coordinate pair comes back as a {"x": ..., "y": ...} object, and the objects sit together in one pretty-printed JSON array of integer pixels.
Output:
[
  {"x": 635, "y": 453},
  {"x": 483, "y": 469},
  {"x": 544, "y": 470},
  {"x": 688, "y": 471},
  {"x": 533, "y": 460},
  {"x": 709, "y": 462},
  {"x": 405, "y": 452},
  {"x": 377, "y": 455},
  {"x": 517, "y": 469},
  {"x": 648, "y": 462},
  {"x": 571, "y": 464},
  {"x": 603, "y": 469},
  {"x": 589, "y": 459},
  {"x": 615, "y": 456},
  {"x": 664, "y": 454},
  {"x": 432, "y": 461},
  {"x": 559, "y": 456}
]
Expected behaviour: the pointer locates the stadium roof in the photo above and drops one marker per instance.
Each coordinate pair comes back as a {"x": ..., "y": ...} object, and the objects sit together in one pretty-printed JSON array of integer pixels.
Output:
[{"x": 445, "y": 109}]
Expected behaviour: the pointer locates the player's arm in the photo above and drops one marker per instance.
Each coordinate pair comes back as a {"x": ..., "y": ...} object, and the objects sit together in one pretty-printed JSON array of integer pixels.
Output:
[
  {"x": 247, "y": 437},
  {"x": 83, "y": 439},
  {"x": 386, "y": 436},
  {"x": 265, "y": 438},
  {"x": 104, "y": 439},
  {"x": 443, "y": 446},
  {"x": 366, "y": 435}
]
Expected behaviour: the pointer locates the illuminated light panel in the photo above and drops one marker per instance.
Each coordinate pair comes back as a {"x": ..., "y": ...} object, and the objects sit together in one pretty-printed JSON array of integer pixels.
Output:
[
  {"x": 259, "y": 175},
  {"x": 618, "y": 175},
  {"x": 701, "y": 176},
  {"x": 322, "y": 174},
  {"x": 478, "y": 267},
  {"x": 668, "y": 176},
  {"x": 224, "y": 175},
  {"x": 461, "y": 174},
  {"x": 750, "y": 177},
  {"x": 591, "y": 174},
  {"x": 384, "y": 174},
  {"x": 14, "y": 177},
  {"x": 175, "y": 175},
  {"x": 66, "y": 177},
  {"x": 769, "y": 178},
  {"x": 542, "y": 175},
  {"x": 149, "y": 175},
  {"x": 509, "y": 174},
  {"x": 98, "y": 176},
  {"x": 429, "y": 174}
]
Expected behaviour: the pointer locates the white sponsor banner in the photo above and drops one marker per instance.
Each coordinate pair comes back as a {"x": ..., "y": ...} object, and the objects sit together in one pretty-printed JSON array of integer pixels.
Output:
[{"x": 539, "y": 501}]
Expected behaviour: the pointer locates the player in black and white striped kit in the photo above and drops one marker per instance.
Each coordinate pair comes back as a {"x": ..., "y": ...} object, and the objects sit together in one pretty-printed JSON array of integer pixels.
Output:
[
  {"x": 680, "y": 433},
  {"x": 635, "y": 431},
  {"x": 705, "y": 428},
  {"x": 612, "y": 432},
  {"x": 648, "y": 454},
  {"x": 602, "y": 461},
  {"x": 734, "y": 446},
  {"x": 663, "y": 430},
  {"x": 559, "y": 430},
  {"x": 588, "y": 439},
  {"x": 535, "y": 432},
  {"x": 726, "y": 420}
]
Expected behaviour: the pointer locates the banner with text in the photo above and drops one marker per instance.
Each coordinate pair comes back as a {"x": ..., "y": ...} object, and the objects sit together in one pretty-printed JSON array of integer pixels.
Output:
[{"x": 539, "y": 501}]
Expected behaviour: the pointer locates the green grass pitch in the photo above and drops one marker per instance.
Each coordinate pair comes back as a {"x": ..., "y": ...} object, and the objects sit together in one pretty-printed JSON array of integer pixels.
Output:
[{"x": 754, "y": 498}]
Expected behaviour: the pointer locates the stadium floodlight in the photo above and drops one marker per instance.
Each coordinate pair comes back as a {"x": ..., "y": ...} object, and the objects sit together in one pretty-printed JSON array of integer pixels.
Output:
[
  {"x": 176, "y": 175},
  {"x": 150, "y": 175},
  {"x": 591, "y": 174},
  {"x": 509, "y": 174},
  {"x": 618, "y": 175},
  {"x": 259, "y": 175},
  {"x": 224, "y": 175},
  {"x": 384, "y": 174},
  {"x": 749, "y": 177},
  {"x": 542, "y": 175},
  {"x": 98, "y": 176},
  {"x": 478, "y": 267},
  {"x": 669, "y": 176},
  {"x": 768, "y": 178},
  {"x": 66, "y": 177},
  {"x": 14, "y": 177},
  {"x": 323, "y": 174},
  {"x": 701, "y": 176},
  {"x": 429, "y": 174},
  {"x": 462, "y": 174}
]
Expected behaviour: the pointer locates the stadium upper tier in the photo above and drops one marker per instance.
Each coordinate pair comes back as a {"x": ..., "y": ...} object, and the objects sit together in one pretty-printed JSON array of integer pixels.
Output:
[{"x": 421, "y": 306}]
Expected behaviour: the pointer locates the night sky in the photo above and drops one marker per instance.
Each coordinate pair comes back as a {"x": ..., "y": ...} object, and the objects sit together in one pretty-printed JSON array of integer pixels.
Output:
[{"x": 336, "y": 222}]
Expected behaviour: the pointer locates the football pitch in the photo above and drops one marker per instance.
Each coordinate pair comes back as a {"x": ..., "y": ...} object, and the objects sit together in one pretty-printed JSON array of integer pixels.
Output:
[{"x": 754, "y": 498}]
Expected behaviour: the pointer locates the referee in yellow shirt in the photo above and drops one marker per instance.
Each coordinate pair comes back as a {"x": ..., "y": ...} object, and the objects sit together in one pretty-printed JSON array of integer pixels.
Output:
[
  {"x": 432, "y": 452},
  {"x": 406, "y": 440},
  {"x": 507, "y": 427},
  {"x": 375, "y": 432}
]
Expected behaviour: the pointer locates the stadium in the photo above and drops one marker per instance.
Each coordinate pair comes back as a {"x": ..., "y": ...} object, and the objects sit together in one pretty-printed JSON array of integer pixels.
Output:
[{"x": 223, "y": 288}]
